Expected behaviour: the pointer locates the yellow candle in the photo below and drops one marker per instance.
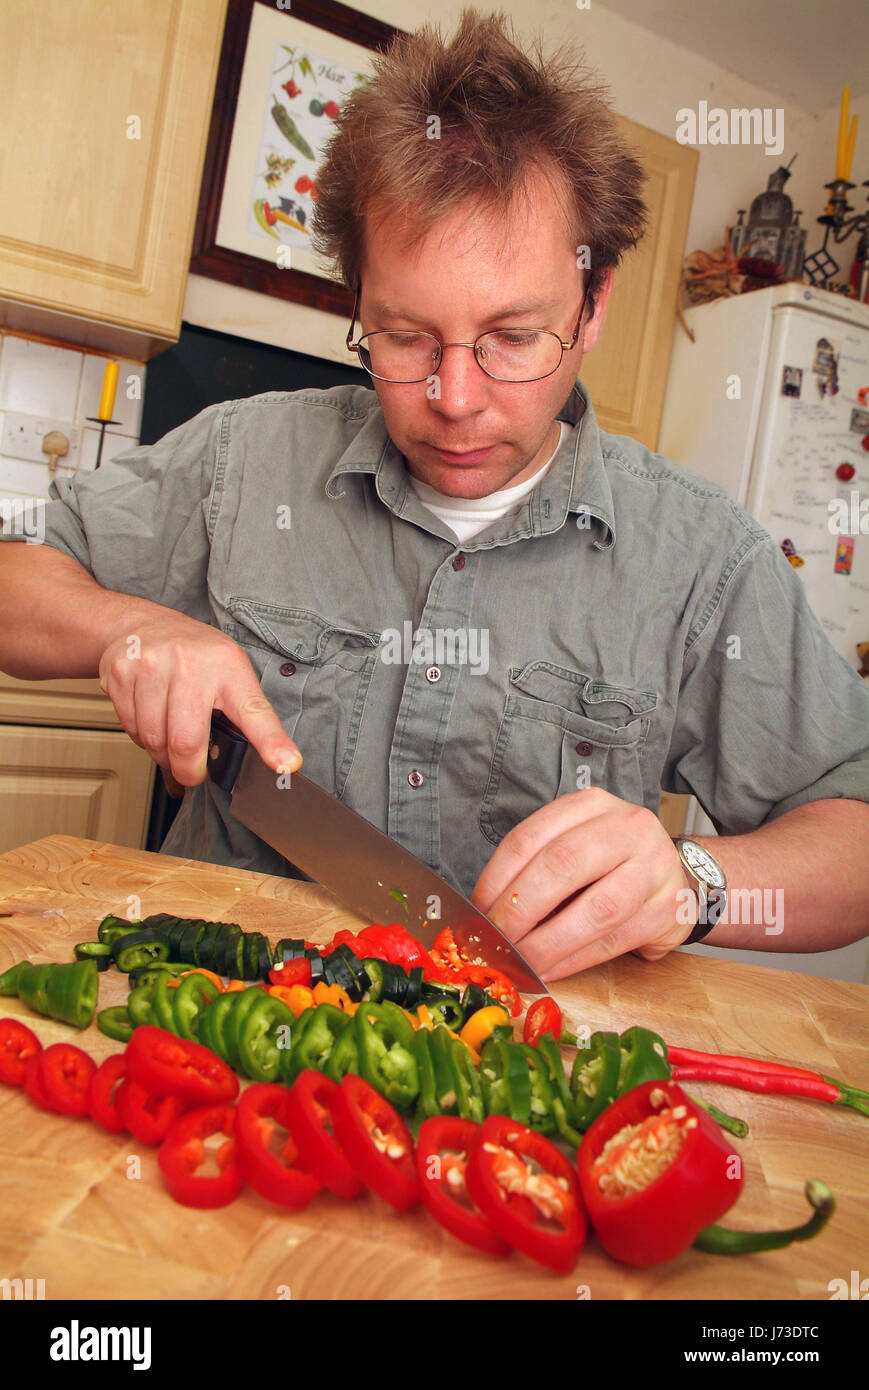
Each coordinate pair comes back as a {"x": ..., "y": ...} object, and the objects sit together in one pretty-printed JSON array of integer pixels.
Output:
[
  {"x": 107, "y": 395},
  {"x": 843, "y": 132},
  {"x": 849, "y": 151}
]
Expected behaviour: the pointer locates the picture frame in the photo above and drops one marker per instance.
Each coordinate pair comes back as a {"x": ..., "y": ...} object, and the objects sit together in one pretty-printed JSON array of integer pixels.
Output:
[{"x": 229, "y": 244}]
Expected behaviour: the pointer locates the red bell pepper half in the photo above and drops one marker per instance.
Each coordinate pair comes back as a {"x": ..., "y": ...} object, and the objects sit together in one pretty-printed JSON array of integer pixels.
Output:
[
  {"x": 442, "y": 1148},
  {"x": 17, "y": 1045},
  {"x": 170, "y": 1066},
  {"x": 183, "y": 1151},
  {"x": 308, "y": 1114},
  {"x": 279, "y": 1177},
  {"x": 103, "y": 1095},
  {"x": 376, "y": 1141},
  {"x": 528, "y": 1190},
  {"x": 65, "y": 1074},
  {"x": 655, "y": 1170}
]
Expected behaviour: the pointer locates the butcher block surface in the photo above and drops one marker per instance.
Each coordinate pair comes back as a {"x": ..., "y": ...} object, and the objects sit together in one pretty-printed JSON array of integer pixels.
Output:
[{"x": 74, "y": 1213}]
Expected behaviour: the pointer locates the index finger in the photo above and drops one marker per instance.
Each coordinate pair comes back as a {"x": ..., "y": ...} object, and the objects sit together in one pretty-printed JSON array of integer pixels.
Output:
[{"x": 252, "y": 713}]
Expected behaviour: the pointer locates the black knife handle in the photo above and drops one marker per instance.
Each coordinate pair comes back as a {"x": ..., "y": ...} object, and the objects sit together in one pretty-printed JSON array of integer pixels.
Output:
[{"x": 226, "y": 751}]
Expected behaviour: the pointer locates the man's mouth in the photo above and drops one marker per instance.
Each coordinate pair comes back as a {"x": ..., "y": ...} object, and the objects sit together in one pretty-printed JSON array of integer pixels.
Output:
[{"x": 464, "y": 455}]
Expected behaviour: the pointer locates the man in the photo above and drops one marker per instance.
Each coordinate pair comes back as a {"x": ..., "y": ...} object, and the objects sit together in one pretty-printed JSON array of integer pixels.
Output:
[{"x": 574, "y": 596}]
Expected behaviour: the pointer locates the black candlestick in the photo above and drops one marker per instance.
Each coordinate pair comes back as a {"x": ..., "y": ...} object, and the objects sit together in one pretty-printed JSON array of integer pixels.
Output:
[{"x": 102, "y": 424}]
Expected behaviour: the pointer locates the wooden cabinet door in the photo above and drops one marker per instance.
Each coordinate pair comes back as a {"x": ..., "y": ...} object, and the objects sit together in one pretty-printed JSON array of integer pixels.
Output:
[
  {"x": 96, "y": 225},
  {"x": 72, "y": 782},
  {"x": 626, "y": 373}
]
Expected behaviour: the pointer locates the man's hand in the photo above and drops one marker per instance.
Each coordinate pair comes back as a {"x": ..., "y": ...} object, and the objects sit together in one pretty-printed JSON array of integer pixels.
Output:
[
  {"x": 586, "y": 878},
  {"x": 164, "y": 677}
]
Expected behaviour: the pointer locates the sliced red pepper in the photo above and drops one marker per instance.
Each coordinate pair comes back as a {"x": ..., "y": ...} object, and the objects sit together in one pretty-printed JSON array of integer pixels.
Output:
[
  {"x": 279, "y": 1177},
  {"x": 170, "y": 1066},
  {"x": 33, "y": 1085},
  {"x": 529, "y": 1191},
  {"x": 376, "y": 1141},
  {"x": 398, "y": 946},
  {"x": 183, "y": 1151},
  {"x": 496, "y": 983},
  {"x": 147, "y": 1116},
  {"x": 448, "y": 954},
  {"x": 103, "y": 1096},
  {"x": 292, "y": 972},
  {"x": 308, "y": 1114},
  {"x": 655, "y": 1170},
  {"x": 17, "y": 1045},
  {"x": 442, "y": 1148},
  {"x": 544, "y": 1016},
  {"x": 65, "y": 1074}
]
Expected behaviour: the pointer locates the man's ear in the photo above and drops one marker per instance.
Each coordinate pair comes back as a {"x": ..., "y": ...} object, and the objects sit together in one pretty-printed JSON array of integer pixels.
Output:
[{"x": 597, "y": 301}]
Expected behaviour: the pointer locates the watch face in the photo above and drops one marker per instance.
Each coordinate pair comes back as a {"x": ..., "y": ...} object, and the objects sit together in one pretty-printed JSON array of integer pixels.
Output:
[{"x": 703, "y": 864}]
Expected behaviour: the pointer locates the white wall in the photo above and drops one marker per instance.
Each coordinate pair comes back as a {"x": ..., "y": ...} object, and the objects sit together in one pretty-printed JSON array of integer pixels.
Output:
[{"x": 650, "y": 80}]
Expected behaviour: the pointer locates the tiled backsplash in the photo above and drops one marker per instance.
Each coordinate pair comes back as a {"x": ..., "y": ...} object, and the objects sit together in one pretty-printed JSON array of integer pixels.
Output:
[{"x": 63, "y": 385}]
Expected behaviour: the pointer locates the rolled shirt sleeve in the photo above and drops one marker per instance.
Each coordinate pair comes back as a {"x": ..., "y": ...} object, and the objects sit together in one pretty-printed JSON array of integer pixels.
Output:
[
  {"x": 770, "y": 716},
  {"x": 140, "y": 523}
]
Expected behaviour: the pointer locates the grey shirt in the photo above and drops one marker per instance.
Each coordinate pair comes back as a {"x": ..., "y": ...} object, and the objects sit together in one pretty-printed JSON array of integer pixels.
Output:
[{"x": 630, "y": 627}]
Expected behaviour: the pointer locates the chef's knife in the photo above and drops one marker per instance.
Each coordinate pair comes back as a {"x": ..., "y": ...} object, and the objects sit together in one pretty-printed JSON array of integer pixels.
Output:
[{"x": 367, "y": 870}]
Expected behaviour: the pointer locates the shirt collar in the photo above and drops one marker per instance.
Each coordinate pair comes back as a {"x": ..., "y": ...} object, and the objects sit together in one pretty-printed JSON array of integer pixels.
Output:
[{"x": 576, "y": 483}]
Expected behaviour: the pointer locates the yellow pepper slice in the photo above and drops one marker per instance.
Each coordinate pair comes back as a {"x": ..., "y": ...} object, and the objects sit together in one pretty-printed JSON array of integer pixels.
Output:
[
  {"x": 481, "y": 1024},
  {"x": 331, "y": 994}
]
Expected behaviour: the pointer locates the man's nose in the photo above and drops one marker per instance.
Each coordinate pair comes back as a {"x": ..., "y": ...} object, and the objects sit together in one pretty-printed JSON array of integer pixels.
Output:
[{"x": 462, "y": 383}]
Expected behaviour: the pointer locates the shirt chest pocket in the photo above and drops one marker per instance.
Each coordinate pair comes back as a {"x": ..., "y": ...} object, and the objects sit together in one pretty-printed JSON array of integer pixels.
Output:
[
  {"x": 315, "y": 673},
  {"x": 563, "y": 730}
]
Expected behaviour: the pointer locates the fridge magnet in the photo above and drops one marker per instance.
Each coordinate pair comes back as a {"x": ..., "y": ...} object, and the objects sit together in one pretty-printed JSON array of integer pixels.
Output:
[
  {"x": 825, "y": 367},
  {"x": 789, "y": 550},
  {"x": 792, "y": 381},
  {"x": 859, "y": 421},
  {"x": 844, "y": 555}
]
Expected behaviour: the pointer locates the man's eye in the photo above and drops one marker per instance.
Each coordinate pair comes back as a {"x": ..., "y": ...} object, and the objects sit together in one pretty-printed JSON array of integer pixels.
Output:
[
  {"x": 517, "y": 339},
  {"x": 406, "y": 340}
]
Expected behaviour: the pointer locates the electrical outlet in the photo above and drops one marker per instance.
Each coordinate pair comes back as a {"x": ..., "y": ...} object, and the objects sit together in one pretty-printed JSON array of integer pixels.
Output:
[{"x": 23, "y": 435}]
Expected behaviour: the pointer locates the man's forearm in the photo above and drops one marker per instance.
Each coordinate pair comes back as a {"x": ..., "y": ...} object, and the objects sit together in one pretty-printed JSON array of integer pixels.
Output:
[
  {"x": 55, "y": 619},
  {"x": 797, "y": 884}
]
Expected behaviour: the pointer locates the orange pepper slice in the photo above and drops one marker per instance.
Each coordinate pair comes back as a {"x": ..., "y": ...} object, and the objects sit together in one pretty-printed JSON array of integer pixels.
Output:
[{"x": 196, "y": 970}]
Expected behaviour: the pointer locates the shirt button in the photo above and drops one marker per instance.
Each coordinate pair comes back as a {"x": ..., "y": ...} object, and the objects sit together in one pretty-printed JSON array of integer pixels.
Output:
[
  {"x": 584, "y": 748},
  {"x": 433, "y": 674},
  {"x": 459, "y": 562},
  {"x": 415, "y": 778},
  {"x": 288, "y": 668}
]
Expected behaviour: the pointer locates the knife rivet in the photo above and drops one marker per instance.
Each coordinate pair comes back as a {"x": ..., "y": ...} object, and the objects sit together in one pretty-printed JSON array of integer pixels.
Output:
[
  {"x": 415, "y": 778},
  {"x": 433, "y": 674},
  {"x": 288, "y": 668}
]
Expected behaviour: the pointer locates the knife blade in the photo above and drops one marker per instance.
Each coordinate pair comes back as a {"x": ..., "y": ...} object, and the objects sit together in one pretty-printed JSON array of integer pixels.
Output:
[{"x": 352, "y": 858}]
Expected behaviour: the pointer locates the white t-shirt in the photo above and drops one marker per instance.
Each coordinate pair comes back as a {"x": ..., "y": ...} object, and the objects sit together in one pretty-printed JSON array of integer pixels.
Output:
[{"x": 466, "y": 516}]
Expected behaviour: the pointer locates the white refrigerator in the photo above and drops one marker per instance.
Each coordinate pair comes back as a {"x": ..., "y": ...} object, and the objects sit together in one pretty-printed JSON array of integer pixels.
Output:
[{"x": 771, "y": 401}]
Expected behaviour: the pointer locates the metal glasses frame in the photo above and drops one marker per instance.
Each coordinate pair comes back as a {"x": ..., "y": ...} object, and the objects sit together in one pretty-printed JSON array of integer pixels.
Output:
[{"x": 565, "y": 347}]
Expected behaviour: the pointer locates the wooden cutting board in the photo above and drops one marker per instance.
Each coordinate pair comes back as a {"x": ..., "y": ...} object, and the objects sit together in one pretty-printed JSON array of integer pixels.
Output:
[{"x": 87, "y": 1212}]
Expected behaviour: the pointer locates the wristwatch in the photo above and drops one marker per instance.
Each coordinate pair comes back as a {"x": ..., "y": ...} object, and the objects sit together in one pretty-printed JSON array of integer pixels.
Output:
[{"x": 706, "y": 877}]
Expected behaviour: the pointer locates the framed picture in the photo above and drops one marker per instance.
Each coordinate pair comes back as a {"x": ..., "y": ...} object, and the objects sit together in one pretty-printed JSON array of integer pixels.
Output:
[{"x": 284, "y": 74}]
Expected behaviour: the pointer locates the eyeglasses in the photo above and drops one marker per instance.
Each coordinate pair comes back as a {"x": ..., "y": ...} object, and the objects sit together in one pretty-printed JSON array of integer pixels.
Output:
[{"x": 505, "y": 354}]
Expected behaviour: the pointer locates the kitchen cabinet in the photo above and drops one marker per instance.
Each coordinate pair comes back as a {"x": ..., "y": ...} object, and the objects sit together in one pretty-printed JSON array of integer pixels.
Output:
[
  {"x": 627, "y": 372},
  {"x": 104, "y": 107},
  {"x": 67, "y": 766}
]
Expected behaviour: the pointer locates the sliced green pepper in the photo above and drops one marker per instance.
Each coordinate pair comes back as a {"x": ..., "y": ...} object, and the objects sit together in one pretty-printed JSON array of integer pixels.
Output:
[
  {"x": 444, "y": 1078},
  {"x": 385, "y": 1038},
  {"x": 643, "y": 1058},
  {"x": 162, "y": 1001},
  {"x": 316, "y": 1038},
  {"x": 506, "y": 1080},
  {"x": 242, "y": 1003},
  {"x": 344, "y": 1057},
  {"x": 65, "y": 992},
  {"x": 212, "y": 1024},
  {"x": 541, "y": 1118},
  {"x": 446, "y": 1010},
  {"x": 9, "y": 978},
  {"x": 260, "y": 1041},
  {"x": 139, "y": 1004},
  {"x": 116, "y": 1023},
  {"x": 422, "y": 1051},
  {"x": 100, "y": 951},
  {"x": 138, "y": 948},
  {"x": 595, "y": 1077},
  {"x": 469, "y": 1093},
  {"x": 192, "y": 995},
  {"x": 110, "y": 928},
  {"x": 563, "y": 1108}
]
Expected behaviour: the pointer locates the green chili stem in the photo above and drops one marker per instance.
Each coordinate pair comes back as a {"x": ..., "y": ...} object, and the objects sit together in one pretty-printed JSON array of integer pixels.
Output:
[
  {"x": 715, "y": 1240},
  {"x": 728, "y": 1122}
]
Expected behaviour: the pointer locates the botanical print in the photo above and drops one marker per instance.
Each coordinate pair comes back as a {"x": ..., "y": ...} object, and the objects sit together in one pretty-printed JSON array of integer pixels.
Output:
[{"x": 306, "y": 93}]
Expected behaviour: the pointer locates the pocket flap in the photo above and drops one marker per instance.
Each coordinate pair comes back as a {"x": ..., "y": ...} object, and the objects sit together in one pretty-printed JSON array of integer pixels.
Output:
[
  {"x": 298, "y": 632},
  {"x": 580, "y": 693}
]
